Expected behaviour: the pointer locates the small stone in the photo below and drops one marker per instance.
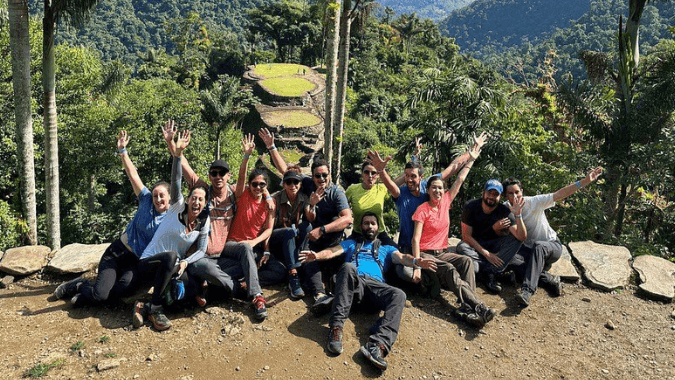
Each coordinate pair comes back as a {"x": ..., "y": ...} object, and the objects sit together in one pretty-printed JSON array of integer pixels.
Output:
[
  {"x": 409, "y": 304},
  {"x": 605, "y": 371},
  {"x": 136, "y": 376},
  {"x": 107, "y": 364},
  {"x": 672, "y": 315},
  {"x": 610, "y": 325},
  {"x": 237, "y": 368},
  {"x": 150, "y": 358},
  {"x": 266, "y": 368},
  {"x": 6, "y": 281},
  {"x": 586, "y": 299},
  {"x": 466, "y": 348}
]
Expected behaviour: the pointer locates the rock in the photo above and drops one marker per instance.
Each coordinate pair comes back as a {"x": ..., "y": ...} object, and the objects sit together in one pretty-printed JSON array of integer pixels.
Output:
[
  {"x": 610, "y": 325},
  {"x": 605, "y": 267},
  {"x": 564, "y": 267},
  {"x": 657, "y": 277},
  {"x": 107, "y": 364},
  {"x": 409, "y": 304},
  {"x": 23, "y": 261},
  {"x": 6, "y": 281},
  {"x": 452, "y": 244},
  {"x": 77, "y": 258},
  {"x": 672, "y": 315},
  {"x": 1, "y": 254}
]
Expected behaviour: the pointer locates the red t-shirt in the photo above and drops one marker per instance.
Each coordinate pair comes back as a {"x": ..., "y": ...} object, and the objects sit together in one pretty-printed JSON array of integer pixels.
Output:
[
  {"x": 249, "y": 219},
  {"x": 436, "y": 224}
]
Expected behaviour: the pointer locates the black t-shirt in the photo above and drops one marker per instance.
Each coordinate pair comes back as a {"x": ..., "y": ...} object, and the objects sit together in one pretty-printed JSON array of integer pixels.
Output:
[{"x": 481, "y": 222}]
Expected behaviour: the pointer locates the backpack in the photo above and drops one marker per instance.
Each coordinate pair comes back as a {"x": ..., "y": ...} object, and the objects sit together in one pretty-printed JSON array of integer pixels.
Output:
[{"x": 375, "y": 252}]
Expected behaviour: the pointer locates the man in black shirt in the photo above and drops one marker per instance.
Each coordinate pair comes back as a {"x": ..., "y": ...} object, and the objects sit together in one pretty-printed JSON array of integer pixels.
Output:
[{"x": 492, "y": 233}]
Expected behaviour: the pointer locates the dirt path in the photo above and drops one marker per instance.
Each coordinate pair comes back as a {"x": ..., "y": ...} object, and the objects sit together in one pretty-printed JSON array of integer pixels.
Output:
[{"x": 559, "y": 338}]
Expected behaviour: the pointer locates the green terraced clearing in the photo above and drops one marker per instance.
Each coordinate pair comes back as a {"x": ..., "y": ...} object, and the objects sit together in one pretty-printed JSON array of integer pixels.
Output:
[
  {"x": 291, "y": 118},
  {"x": 279, "y": 69},
  {"x": 287, "y": 86}
]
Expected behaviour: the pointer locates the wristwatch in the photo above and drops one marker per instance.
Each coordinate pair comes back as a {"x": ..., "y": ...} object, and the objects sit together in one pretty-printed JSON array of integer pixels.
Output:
[{"x": 323, "y": 230}]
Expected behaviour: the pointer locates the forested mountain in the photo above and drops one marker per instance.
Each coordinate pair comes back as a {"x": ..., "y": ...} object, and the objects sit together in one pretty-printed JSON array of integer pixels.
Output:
[
  {"x": 121, "y": 28},
  {"x": 504, "y": 23},
  {"x": 433, "y": 9}
]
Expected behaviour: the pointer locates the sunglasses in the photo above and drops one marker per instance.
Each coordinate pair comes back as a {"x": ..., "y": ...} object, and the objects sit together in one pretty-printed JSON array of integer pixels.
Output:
[
  {"x": 321, "y": 175},
  {"x": 291, "y": 182},
  {"x": 371, "y": 173},
  {"x": 216, "y": 173},
  {"x": 256, "y": 185}
]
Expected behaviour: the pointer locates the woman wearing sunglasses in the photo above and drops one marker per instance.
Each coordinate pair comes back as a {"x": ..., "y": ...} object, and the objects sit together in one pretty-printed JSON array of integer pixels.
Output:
[
  {"x": 251, "y": 229},
  {"x": 116, "y": 267},
  {"x": 290, "y": 228}
]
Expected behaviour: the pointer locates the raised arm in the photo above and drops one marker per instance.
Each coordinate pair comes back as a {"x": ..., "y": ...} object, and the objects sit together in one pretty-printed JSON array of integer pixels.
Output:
[
  {"x": 169, "y": 131},
  {"x": 277, "y": 160},
  {"x": 568, "y": 190},
  {"x": 519, "y": 231},
  {"x": 454, "y": 189},
  {"x": 129, "y": 168},
  {"x": 380, "y": 165},
  {"x": 247, "y": 146},
  {"x": 176, "y": 169},
  {"x": 462, "y": 160}
]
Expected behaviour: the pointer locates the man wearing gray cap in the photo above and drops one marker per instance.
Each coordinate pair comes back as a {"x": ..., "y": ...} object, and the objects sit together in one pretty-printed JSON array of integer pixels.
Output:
[{"x": 492, "y": 233}]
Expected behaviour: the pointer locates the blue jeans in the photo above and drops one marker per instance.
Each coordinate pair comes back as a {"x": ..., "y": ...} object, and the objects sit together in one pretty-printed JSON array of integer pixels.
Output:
[{"x": 285, "y": 243}]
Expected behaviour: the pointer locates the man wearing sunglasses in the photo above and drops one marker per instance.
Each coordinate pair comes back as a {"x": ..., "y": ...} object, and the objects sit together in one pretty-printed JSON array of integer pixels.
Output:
[{"x": 329, "y": 213}]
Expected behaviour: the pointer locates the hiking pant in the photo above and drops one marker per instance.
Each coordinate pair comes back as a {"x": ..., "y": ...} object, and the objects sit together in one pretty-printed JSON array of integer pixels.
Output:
[
  {"x": 532, "y": 263},
  {"x": 285, "y": 244},
  {"x": 115, "y": 275},
  {"x": 159, "y": 267},
  {"x": 242, "y": 263},
  {"x": 505, "y": 247},
  {"x": 350, "y": 288},
  {"x": 455, "y": 273}
]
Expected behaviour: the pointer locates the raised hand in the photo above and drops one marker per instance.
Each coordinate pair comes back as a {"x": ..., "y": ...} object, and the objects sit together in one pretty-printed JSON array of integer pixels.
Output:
[
  {"x": 317, "y": 196},
  {"x": 517, "y": 208},
  {"x": 478, "y": 143},
  {"x": 181, "y": 142},
  {"x": 169, "y": 130},
  {"x": 266, "y": 136},
  {"x": 418, "y": 146},
  {"x": 247, "y": 144},
  {"x": 593, "y": 175},
  {"x": 376, "y": 160},
  {"x": 122, "y": 139}
]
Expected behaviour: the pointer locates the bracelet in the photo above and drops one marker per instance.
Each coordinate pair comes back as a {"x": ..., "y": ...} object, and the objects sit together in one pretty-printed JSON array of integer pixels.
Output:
[
  {"x": 578, "y": 183},
  {"x": 246, "y": 156},
  {"x": 519, "y": 216},
  {"x": 266, "y": 253},
  {"x": 268, "y": 197},
  {"x": 272, "y": 147},
  {"x": 122, "y": 151},
  {"x": 414, "y": 262}
]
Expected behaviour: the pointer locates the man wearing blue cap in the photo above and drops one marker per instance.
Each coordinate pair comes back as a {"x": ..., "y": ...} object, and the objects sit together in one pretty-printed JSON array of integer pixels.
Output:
[{"x": 492, "y": 232}]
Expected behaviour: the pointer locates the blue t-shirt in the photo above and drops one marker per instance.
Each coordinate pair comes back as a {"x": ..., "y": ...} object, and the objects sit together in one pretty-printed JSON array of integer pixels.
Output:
[
  {"x": 406, "y": 205},
  {"x": 142, "y": 227},
  {"x": 365, "y": 262}
]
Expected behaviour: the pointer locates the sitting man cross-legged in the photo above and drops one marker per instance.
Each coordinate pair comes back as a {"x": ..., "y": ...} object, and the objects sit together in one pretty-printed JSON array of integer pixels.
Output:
[{"x": 361, "y": 280}]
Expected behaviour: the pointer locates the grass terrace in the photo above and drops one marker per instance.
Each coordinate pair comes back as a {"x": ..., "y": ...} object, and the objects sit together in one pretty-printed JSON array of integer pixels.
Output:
[
  {"x": 279, "y": 69},
  {"x": 291, "y": 118},
  {"x": 287, "y": 86}
]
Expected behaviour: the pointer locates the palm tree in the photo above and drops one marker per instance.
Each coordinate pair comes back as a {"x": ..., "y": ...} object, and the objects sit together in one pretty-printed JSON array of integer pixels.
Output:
[
  {"x": 19, "y": 40},
  {"x": 75, "y": 12},
  {"x": 332, "y": 44}
]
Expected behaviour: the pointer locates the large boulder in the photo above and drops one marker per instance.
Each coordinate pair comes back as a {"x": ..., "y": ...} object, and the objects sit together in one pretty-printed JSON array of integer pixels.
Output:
[
  {"x": 657, "y": 277},
  {"x": 606, "y": 267},
  {"x": 22, "y": 261},
  {"x": 77, "y": 258},
  {"x": 564, "y": 267}
]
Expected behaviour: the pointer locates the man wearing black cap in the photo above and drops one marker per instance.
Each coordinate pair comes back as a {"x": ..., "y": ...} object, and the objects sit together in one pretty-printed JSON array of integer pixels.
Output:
[
  {"x": 492, "y": 233},
  {"x": 221, "y": 205}
]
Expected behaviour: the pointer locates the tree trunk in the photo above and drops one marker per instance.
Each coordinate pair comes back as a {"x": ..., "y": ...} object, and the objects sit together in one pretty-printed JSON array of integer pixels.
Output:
[
  {"x": 343, "y": 68},
  {"x": 19, "y": 40},
  {"x": 333, "y": 26},
  {"x": 51, "y": 129},
  {"x": 611, "y": 200},
  {"x": 621, "y": 211}
]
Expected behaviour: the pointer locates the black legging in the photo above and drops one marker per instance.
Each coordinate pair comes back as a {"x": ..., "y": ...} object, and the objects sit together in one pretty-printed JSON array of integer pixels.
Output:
[
  {"x": 115, "y": 275},
  {"x": 163, "y": 266}
]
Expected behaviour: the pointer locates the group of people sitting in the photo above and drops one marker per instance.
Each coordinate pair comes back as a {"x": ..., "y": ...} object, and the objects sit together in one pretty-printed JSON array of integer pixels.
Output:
[{"x": 232, "y": 240}]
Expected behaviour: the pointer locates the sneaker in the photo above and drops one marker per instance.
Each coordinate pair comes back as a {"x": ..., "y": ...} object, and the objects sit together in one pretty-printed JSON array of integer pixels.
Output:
[
  {"x": 200, "y": 297},
  {"x": 68, "y": 289},
  {"x": 335, "y": 340},
  {"x": 463, "y": 311},
  {"x": 322, "y": 305},
  {"x": 556, "y": 286},
  {"x": 259, "y": 304},
  {"x": 481, "y": 316},
  {"x": 492, "y": 284},
  {"x": 159, "y": 320},
  {"x": 523, "y": 297},
  {"x": 139, "y": 314},
  {"x": 375, "y": 353},
  {"x": 294, "y": 287}
]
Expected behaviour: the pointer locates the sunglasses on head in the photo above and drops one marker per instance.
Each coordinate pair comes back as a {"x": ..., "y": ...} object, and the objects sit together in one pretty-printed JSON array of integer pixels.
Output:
[
  {"x": 216, "y": 173},
  {"x": 368, "y": 172},
  {"x": 321, "y": 175},
  {"x": 291, "y": 181},
  {"x": 256, "y": 185}
]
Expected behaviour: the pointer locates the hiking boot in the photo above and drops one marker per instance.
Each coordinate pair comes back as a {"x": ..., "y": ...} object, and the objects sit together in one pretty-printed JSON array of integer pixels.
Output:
[
  {"x": 200, "y": 297},
  {"x": 159, "y": 320},
  {"x": 481, "y": 315},
  {"x": 492, "y": 284},
  {"x": 139, "y": 314},
  {"x": 375, "y": 352},
  {"x": 260, "y": 306},
  {"x": 335, "y": 340},
  {"x": 322, "y": 305},
  {"x": 295, "y": 287},
  {"x": 523, "y": 297},
  {"x": 556, "y": 286},
  {"x": 68, "y": 289},
  {"x": 463, "y": 312}
]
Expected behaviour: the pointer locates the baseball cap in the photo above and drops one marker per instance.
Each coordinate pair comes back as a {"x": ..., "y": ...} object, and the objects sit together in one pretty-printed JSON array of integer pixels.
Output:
[
  {"x": 494, "y": 184},
  {"x": 220, "y": 164},
  {"x": 292, "y": 174}
]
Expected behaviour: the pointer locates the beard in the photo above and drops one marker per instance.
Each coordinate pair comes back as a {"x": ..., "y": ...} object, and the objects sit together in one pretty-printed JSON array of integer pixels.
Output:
[
  {"x": 369, "y": 235},
  {"x": 489, "y": 202}
]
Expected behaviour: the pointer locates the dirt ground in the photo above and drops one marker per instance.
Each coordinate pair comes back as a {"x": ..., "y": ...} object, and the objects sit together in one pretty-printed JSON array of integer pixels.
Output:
[{"x": 564, "y": 338}]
